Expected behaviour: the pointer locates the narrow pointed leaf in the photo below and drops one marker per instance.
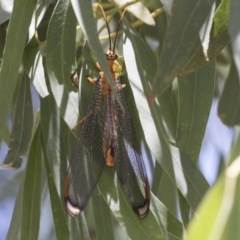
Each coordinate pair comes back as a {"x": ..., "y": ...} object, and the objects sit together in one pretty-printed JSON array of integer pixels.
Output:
[
  {"x": 32, "y": 61},
  {"x": 60, "y": 54},
  {"x": 219, "y": 38},
  {"x": 12, "y": 57},
  {"x": 22, "y": 126},
  {"x": 154, "y": 226},
  {"x": 14, "y": 229},
  {"x": 179, "y": 168},
  {"x": 138, "y": 10},
  {"x": 59, "y": 215},
  {"x": 229, "y": 103},
  {"x": 206, "y": 30},
  {"x": 103, "y": 218},
  {"x": 61, "y": 42},
  {"x": 194, "y": 103},
  {"x": 234, "y": 30},
  {"x": 181, "y": 39},
  {"x": 39, "y": 81},
  {"x": 218, "y": 214},
  {"x": 32, "y": 191},
  {"x": 55, "y": 160},
  {"x": 142, "y": 13}
]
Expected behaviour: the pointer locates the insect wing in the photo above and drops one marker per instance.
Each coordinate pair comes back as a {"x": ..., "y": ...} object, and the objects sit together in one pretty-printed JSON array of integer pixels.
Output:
[
  {"x": 130, "y": 167},
  {"x": 87, "y": 161}
]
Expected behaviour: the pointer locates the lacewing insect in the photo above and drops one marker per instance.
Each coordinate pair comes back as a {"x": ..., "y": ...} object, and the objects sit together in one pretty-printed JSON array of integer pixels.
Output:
[{"x": 107, "y": 138}]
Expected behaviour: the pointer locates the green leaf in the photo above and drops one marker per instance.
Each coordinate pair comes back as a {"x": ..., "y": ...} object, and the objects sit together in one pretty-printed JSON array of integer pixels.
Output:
[
  {"x": 158, "y": 222},
  {"x": 141, "y": 12},
  {"x": 206, "y": 30},
  {"x": 12, "y": 57},
  {"x": 55, "y": 159},
  {"x": 229, "y": 102},
  {"x": 29, "y": 54},
  {"x": 221, "y": 19},
  {"x": 59, "y": 217},
  {"x": 195, "y": 94},
  {"x": 234, "y": 31},
  {"x": 3, "y": 33},
  {"x": 60, "y": 55},
  {"x": 61, "y": 35},
  {"x": 22, "y": 125},
  {"x": 173, "y": 226},
  {"x": 154, "y": 56},
  {"x": 32, "y": 191},
  {"x": 104, "y": 224},
  {"x": 55, "y": 139},
  {"x": 218, "y": 40},
  {"x": 140, "y": 66},
  {"x": 37, "y": 73},
  {"x": 32, "y": 61},
  {"x": 181, "y": 170},
  {"x": 218, "y": 215},
  {"x": 184, "y": 209},
  {"x": 138, "y": 10},
  {"x": 78, "y": 228},
  {"x": 235, "y": 150},
  {"x": 16, "y": 220},
  {"x": 181, "y": 39}
]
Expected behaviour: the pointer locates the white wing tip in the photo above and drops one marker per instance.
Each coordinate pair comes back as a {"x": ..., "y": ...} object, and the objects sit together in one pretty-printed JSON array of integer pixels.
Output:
[{"x": 73, "y": 211}]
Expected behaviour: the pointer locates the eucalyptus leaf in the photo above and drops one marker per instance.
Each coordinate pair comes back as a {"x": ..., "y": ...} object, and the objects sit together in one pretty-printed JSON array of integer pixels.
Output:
[
  {"x": 219, "y": 212},
  {"x": 140, "y": 68},
  {"x": 59, "y": 217},
  {"x": 181, "y": 39},
  {"x": 195, "y": 98},
  {"x": 141, "y": 12},
  {"x": 229, "y": 103},
  {"x": 22, "y": 125},
  {"x": 168, "y": 88},
  {"x": 59, "y": 59},
  {"x": 14, "y": 229},
  {"x": 102, "y": 218},
  {"x": 18, "y": 26},
  {"x": 234, "y": 32},
  {"x": 32, "y": 191},
  {"x": 219, "y": 38},
  {"x": 155, "y": 226}
]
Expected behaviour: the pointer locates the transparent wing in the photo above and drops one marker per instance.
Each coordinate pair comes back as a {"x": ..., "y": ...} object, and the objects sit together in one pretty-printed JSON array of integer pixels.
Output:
[
  {"x": 129, "y": 161},
  {"x": 87, "y": 161}
]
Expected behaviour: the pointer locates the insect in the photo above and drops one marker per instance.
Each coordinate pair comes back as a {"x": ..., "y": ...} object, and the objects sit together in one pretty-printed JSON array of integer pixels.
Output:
[{"x": 107, "y": 138}]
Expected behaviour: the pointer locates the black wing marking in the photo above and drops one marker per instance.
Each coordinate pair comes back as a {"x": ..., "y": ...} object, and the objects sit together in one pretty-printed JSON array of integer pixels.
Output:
[
  {"x": 88, "y": 160},
  {"x": 130, "y": 166}
]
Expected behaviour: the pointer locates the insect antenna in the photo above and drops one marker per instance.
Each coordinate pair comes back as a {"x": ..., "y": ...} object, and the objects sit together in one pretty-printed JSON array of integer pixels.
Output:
[
  {"x": 108, "y": 29},
  {"x": 118, "y": 27}
]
